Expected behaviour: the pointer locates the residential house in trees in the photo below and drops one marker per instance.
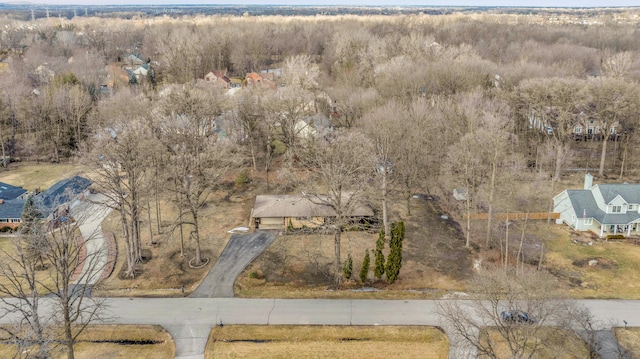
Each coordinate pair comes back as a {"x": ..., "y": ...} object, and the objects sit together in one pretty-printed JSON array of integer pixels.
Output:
[
  {"x": 298, "y": 211},
  {"x": 604, "y": 209},
  {"x": 253, "y": 79},
  {"x": 218, "y": 78},
  {"x": 62, "y": 196},
  {"x": 12, "y": 200},
  {"x": 314, "y": 126}
]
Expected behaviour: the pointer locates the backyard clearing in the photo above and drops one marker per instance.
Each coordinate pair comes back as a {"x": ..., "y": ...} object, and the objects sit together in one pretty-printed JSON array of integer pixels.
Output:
[
  {"x": 38, "y": 175},
  {"x": 629, "y": 338},
  {"x": 602, "y": 269},
  {"x": 550, "y": 343},
  {"x": 288, "y": 341},
  {"x": 115, "y": 341}
]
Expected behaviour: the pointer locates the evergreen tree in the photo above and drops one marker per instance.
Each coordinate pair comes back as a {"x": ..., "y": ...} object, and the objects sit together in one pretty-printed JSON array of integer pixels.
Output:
[
  {"x": 364, "y": 271},
  {"x": 378, "y": 270},
  {"x": 394, "y": 261},
  {"x": 347, "y": 269}
]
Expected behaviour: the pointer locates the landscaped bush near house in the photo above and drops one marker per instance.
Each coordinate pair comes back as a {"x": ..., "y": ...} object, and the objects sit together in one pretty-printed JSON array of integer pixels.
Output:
[
  {"x": 6, "y": 229},
  {"x": 615, "y": 236}
]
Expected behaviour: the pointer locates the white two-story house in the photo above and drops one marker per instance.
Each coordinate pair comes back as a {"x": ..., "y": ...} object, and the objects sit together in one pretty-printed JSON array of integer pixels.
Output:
[{"x": 604, "y": 209}]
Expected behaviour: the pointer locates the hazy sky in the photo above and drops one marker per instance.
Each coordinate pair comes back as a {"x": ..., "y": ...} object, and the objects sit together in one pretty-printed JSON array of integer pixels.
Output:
[{"x": 528, "y": 3}]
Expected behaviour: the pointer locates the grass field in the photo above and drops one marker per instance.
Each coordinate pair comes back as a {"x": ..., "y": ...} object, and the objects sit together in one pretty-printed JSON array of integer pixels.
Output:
[
  {"x": 629, "y": 338},
  {"x": 551, "y": 343},
  {"x": 616, "y": 274},
  {"x": 115, "y": 341},
  {"x": 285, "y": 341},
  {"x": 40, "y": 175}
]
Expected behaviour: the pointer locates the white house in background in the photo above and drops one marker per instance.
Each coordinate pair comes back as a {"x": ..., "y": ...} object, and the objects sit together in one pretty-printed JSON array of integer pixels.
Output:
[
  {"x": 315, "y": 126},
  {"x": 602, "y": 208}
]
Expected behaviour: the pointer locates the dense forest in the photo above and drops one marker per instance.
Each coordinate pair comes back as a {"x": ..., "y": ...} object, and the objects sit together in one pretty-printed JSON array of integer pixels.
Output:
[{"x": 421, "y": 103}]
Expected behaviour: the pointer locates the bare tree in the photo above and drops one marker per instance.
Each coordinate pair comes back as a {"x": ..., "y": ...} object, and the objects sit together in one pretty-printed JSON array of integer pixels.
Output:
[
  {"x": 343, "y": 165},
  {"x": 119, "y": 160},
  {"x": 198, "y": 159},
  {"x": 515, "y": 310},
  {"x": 50, "y": 259},
  {"x": 73, "y": 272},
  {"x": 21, "y": 296},
  {"x": 612, "y": 101}
]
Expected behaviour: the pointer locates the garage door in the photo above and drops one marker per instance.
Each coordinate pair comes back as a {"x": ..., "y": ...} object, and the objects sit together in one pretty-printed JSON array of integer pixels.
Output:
[{"x": 271, "y": 223}]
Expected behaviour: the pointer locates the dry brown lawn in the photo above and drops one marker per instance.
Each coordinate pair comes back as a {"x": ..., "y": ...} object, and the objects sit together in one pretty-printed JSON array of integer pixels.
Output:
[
  {"x": 286, "y": 341},
  {"x": 551, "y": 343},
  {"x": 166, "y": 273},
  {"x": 301, "y": 266},
  {"x": 116, "y": 341},
  {"x": 38, "y": 175},
  {"x": 629, "y": 338}
]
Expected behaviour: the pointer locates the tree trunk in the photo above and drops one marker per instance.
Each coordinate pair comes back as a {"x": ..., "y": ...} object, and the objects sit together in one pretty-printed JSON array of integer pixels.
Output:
[
  {"x": 338, "y": 264},
  {"x": 196, "y": 237},
  {"x": 624, "y": 155},
  {"x": 494, "y": 169},
  {"x": 468, "y": 205},
  {"x": 385, "y": 209},
  {"x": 603, "y": 154},
  {"x": 524, "y": 226}
]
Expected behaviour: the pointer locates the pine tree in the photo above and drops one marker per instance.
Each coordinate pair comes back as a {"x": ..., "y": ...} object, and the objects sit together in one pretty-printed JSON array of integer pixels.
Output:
[
  {"x": 347, "y": 269},
  {"x": 394, "y": 261},
  {"x": 378, "y": 270},
  {"x": 364, "y": 271}
]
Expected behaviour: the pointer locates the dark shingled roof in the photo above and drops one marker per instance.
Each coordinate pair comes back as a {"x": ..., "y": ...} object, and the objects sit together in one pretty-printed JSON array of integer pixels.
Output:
[
  {"x": 60, "y": 193},
  {"x": 8, "y": 192},
  {"x": 12, "y": 209}
]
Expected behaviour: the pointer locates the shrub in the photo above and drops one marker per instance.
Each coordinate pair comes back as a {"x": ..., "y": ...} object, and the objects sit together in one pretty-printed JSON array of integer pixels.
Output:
[
  {"x": 347, "y": 268},
  {"x": 615, "y": 236},
  {"x": 242, "y": 180},
  {"x": 378, "y": 269},
  {"x": 364, "y": 271}
]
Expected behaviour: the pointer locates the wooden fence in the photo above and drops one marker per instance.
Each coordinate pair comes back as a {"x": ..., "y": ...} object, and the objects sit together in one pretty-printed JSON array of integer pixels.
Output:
[{"x": 515, "y": 216}]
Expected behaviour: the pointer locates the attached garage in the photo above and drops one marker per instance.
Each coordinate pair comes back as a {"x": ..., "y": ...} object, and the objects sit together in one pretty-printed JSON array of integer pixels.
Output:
[{"x": 284, "y": 211}]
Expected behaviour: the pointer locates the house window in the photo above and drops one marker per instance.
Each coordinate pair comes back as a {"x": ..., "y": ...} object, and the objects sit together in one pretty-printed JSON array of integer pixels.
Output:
[
  {"x": 612, "y": 130},
  {"x": 577, "y": 129},
  {"x": 631, "y": 207},
  {"x": 588, "y": 221},
  {"x": 616, "y": 209},
  {"x": 15, "y": 220},
  {"x": 590, "y": 131},
  {"x": 3, "y": 220}
]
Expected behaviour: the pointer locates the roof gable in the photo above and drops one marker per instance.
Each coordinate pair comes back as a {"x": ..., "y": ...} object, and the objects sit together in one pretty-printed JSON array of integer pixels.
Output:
[{"x": 8, "y": 192}]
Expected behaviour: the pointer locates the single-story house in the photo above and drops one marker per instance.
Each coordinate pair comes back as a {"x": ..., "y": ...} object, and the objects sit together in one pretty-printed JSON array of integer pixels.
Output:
[
  {"x": 604, "y": 209},
  {"x": 12, "y": 199},
  {"x": 11, "y": 213},
  {"x": 62, "y": 196},
  {"x": 296, "y": 211}
]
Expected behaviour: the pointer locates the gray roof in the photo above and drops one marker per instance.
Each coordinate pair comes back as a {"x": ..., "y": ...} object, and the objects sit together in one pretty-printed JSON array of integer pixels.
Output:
[
  {"x": 8, "y": 191},
  {"x": 630, "y": 192},
  {"x": 12, "y": 209},
  {"x": 319, "y": 121},
  {"x": 60, "y": 193},
  {"x": 585, "y": 205},
  {"x": 276, "y": 206}
]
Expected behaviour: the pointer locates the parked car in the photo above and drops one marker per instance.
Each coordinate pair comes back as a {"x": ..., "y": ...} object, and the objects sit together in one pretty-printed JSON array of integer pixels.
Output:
[{"x": 515, "y": 316}]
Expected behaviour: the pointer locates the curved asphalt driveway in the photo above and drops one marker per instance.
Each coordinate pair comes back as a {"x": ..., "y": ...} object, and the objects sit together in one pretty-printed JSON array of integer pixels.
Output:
[
  {"x": 239, "y": 252},
  {"x": 90, "y": 213}
]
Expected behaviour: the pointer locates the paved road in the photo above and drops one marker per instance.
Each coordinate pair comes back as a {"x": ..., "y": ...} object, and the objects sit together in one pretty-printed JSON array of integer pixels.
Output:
[
  {"x": 190, "y": 319},
  {"x": 239, "y": 252},
  {"x": 90, "y": 214}
]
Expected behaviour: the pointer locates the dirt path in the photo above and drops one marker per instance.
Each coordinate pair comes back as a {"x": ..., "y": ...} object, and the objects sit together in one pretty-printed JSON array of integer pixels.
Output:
[{"x": 239, "y": 252}]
